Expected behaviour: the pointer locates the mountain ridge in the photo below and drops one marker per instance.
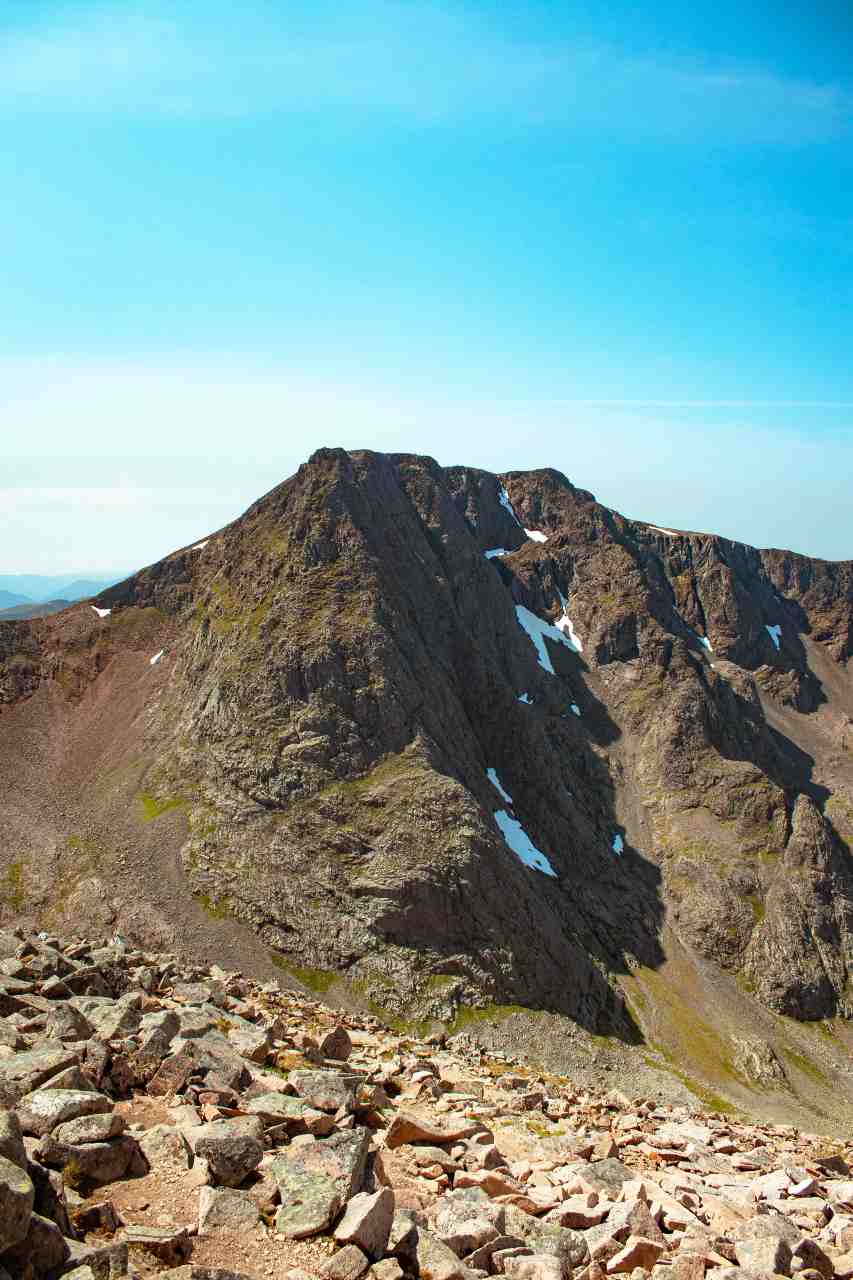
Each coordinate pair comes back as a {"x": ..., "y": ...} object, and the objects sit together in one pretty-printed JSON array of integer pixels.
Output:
[{"x": 306, "y": 765}]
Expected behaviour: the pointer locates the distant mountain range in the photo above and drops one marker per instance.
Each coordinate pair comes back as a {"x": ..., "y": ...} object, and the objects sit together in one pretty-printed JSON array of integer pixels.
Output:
[
  {"x": 34, "y": 588},
  {"x": 33, "y": 610}
]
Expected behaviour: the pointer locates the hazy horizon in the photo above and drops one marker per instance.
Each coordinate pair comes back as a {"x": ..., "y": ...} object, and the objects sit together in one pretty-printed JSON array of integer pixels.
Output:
[{"x": 610, "y": 241}]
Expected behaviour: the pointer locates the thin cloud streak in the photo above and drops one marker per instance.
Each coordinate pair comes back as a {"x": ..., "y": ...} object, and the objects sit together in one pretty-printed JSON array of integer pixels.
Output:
[{"x": 424, "y": 67}]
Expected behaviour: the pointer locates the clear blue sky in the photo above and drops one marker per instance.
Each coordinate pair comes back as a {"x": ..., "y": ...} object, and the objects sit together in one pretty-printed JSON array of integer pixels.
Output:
[{"x": 614, "y": 239}]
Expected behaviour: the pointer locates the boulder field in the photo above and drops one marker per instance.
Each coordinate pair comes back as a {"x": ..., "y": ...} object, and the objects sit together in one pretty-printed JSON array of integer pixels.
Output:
[{"x": 181, "y": 1121}]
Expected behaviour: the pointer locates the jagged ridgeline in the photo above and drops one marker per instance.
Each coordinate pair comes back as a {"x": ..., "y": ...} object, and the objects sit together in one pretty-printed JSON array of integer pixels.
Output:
[{"x": 438, "y": 741}]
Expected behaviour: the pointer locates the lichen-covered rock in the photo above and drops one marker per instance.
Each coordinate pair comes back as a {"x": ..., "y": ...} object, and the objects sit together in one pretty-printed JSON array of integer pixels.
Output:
[
  {"x": 16, "y": 1203},
  {"x": 41, "y": 1112},
  {"x": 310, "y": 1200},
  {"x": 232, "y": 1148}
]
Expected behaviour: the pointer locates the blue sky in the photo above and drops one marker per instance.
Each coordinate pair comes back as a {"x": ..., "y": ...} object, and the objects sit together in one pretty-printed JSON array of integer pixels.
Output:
[{"x": 612, "y": 240}]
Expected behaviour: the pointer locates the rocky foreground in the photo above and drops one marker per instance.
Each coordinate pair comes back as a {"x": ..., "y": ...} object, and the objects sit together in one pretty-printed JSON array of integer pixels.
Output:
[{"x": 187, "y": 1123}]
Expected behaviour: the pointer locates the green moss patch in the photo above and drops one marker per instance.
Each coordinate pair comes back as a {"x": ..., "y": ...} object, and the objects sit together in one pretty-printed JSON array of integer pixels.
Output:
[
  {"x": 12, "y": 891},
  {"x": 806, "y": 1065},
  {"x": 470, "y": 1016},
  {"x": 317, "y": 980},
  {"x": 217, "y": 910},
  {"x": 155, "y": 806}
]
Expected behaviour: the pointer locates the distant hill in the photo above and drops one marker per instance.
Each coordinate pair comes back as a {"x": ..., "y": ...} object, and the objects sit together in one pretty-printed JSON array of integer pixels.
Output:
[
  {"x": 83, "y": 588},
  {"x": 44, "y": 588},
  {"x": 32, "y": 610},
  {"x": 10, "y": 598}
]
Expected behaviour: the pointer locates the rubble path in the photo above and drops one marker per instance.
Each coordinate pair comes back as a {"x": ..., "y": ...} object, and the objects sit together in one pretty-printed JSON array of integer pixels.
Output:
[{"x": 159, "y": 1119}]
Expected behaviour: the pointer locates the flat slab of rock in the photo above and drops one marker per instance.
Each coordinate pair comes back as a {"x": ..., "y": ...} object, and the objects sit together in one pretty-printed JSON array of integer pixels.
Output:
[
  {"x": 40, "y": 1112},
  {"x": 367, "y": 1221},
  {"x": 294, "y": 1114},
  {"x": 341, "y": 1158},
  {"x": 223, "y": 1209},
  {"x": 95, "y": 1162},
  {"x": 407, "y": 1127},
  {"x": 310, "y": 1201},
  {"x": 171, "y": 1245},
  {"x": 326, "y": 1090},
  {"x": 347, "y": 1264},
  {"x": 93, "y": 1128},
  {"x": 638, "y": 1252},
  {"x": 536, "y": 1266},
  {"x": 25, "y": 1072}
]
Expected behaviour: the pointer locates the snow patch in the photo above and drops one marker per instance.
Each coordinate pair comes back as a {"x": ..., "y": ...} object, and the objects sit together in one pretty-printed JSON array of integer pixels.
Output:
[
  {"x": 538, "y": 629},
  {"x": 526, "y": 698},
  {"x": 617, "y": 844},
  {"x": 565, "y": 625},
  {"x": 199, "y": 546},
  {"x": 152, "y": 662},
  {"x": 496, "y": 551},
  {"x": 706, "y": 643},
  {"x": 670, "y": 533},
  {"x": 492, "y": 775},
  {"x": 536, "y": 536},
  {"x": 505, "y": 502},
  {"x": 775, "y": 634},
  {"x": 521, "y": 844},
  {"x": 575, "y": 709},
  {"x": 105, "y": 613}
]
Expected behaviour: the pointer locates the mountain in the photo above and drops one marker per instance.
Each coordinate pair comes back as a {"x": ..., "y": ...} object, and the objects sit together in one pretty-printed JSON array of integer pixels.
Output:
[
  {"x": 42, "y": 588},
  {"x": 32, "y": 610},
  {"x": 83, "y": 588},
  {"x": 465, "y": 748},
  {"x": 8, "y": 599}
]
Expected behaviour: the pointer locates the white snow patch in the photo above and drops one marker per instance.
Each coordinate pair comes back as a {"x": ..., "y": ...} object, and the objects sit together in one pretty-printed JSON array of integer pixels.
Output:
[
  {"x": 496, "y": 551},
  {"x": 670, "y": 533},
  {"x": 521, "y": 844},
  {"x": 152, "y": 662},
  {"x": 526, "y": 698},
  {"x": 703, "y": 640},
  {"x": 617, "y": 845},
  {"x": 565, "y": 625},
  {"x": 505, "y": 502},
  {"x": 575, "y": 709},
  {"x": 775, "y": 634},
  {"x": 199, "y": 546},
  {"x": 536, "y": 536},
  {"x": 492, "y": 775},
  {"x": 105, "y": 613},
  {"x": 538, "y": 629}
]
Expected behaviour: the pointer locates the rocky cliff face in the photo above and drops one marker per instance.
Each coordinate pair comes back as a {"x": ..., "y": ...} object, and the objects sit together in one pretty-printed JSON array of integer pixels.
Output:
[{"x": 459, "y": 738}]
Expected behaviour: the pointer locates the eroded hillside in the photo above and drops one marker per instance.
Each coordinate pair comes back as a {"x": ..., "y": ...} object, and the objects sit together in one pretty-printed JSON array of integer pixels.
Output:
[{"x": 438, "y": 740}]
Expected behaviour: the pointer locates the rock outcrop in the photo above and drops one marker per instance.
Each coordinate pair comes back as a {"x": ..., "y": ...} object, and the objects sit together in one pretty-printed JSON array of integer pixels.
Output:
[{"x": 455, "y": 738}]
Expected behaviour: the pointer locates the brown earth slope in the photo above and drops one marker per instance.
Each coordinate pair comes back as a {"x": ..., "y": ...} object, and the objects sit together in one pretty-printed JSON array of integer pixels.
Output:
[{"x": 301, "y": 778}]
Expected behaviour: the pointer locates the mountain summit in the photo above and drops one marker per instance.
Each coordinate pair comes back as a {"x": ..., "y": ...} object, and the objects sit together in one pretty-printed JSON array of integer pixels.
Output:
[{"x": 449, "y": 741}]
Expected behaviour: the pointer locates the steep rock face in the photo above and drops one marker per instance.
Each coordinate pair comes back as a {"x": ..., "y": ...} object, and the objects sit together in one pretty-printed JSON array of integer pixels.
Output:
[{"x": 360, "y": 702}]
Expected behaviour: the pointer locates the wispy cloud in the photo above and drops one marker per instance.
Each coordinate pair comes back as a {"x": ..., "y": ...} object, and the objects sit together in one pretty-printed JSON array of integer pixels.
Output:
[{"x": 417, "y": 64}]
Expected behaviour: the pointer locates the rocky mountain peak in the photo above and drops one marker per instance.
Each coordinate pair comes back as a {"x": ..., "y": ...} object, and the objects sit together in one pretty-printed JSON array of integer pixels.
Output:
[{"x": 438, "y": 739}]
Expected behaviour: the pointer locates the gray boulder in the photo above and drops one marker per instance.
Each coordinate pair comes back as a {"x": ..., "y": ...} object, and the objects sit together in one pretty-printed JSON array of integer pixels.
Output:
[{"x": 16, "y": 1203}]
